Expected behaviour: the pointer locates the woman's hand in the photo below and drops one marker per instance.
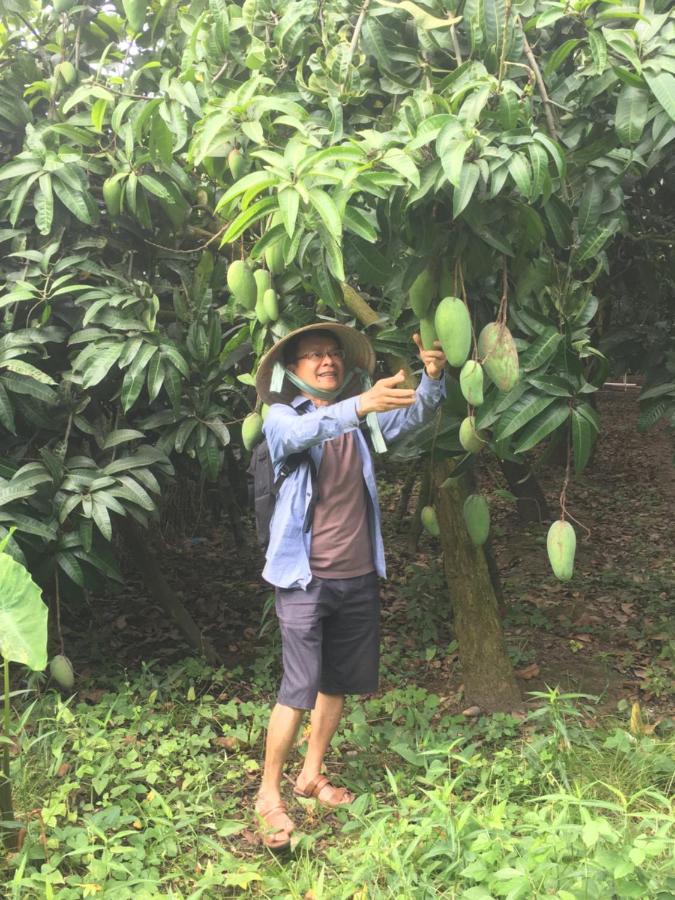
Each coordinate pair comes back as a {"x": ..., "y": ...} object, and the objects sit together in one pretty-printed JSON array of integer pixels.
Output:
[{"x": 433, "y": 360}]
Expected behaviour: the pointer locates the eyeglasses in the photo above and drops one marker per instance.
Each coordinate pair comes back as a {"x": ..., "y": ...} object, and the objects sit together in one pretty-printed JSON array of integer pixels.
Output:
[{"x": 316, "y": 356}]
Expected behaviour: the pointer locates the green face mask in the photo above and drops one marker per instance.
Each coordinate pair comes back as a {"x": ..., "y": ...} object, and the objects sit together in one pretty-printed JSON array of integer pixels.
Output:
[{"x": 279, "y": 373}]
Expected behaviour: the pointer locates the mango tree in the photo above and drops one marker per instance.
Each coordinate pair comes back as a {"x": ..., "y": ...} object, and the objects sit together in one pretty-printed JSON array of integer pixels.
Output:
[{"x": 337, "y": 153}]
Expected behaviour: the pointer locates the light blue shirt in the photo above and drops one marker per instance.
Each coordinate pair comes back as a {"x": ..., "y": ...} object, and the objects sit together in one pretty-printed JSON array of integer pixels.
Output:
[{"x": 287, "y": 432}]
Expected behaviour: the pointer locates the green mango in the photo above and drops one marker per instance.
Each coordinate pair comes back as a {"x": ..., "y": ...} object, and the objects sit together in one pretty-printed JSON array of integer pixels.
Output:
[
  {"x": 264, "y": 409},
  {"x": 251, "y": 430},
  {"x": 422, "y": 292},
  {"x": 430, "y": 521},
  {"x": 499, "y": 356},
  {"x": 471, "y": 382},
  {"x": 472, "y": 440},
  {"x": 237, "y": 163},
  {"x": 61, "y": 670},
  {"x": 428, "y": 332},
  {"x": 241, "y": 282},
  {"x": 274, "y": 257},
  {"x": 271, "y": 304},
  {"x": 112, "y": 195},
  {"x": 477, "y": 518},
  {"x": 261, "y": 312},
  {"x": 561, "y": 545},
  {"x": 453, "y": 326},
  {"x": 61, "y": 6},
  {"x": 263, "y": 282}
]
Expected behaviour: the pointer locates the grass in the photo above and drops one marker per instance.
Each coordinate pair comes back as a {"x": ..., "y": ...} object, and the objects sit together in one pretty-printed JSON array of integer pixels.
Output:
[{"x": 146, "y": 793}]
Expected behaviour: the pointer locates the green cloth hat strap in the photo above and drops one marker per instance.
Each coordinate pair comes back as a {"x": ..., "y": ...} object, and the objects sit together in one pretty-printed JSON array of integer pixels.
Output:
[{"x": 277, "y": 381}]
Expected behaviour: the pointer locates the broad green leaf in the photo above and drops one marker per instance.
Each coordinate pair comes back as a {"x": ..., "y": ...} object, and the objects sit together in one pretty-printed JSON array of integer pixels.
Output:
[
  {"x": 73, "y": 201},
  {"x": 253, "y": 181},
  {"x": 453, "y": 160},
  {"x": 19, "y": 168},
  {"x": 357, "y": 223},
  {"x": 593, "y": 243},
  {"x": 521, "y": 174},
  {"x": 551, "y": 384},
  {"x": 658, "y": 390},
  {"x": 560, "y": 54},
  {"x": 583, "y": 437},
  {"x": 6, "y": 411},
  {"x": 554, "y": 151},
  {"x": 598, "y": 49},
  {"x": 101, "y": 365},
  {"x": 632, "y": 108},
  {"x": 542, "y": 426},
  {"x": 662, "y": 86},
  {"x": 69, "y": 564},
  {"x": 23, "y": 616},
  {"x": 155, "y": 376},
  {"x": 44, "y": 204},
  {"x": 289, "y": 201},
  {"x": 541, "y": 350},
  {"x": 590, "y": 205},
  {"x": 121, "y": 436},
  {"x": 400, "y": 162},
  {"x": 248, "y": 217},
  {"x": 324, "y": 205},
  {"x": 462, "y": 194},
  {"x": 154, "y": 186},
  {"x": 23, "y": 368},
  {"x": 523, "y": 411}
]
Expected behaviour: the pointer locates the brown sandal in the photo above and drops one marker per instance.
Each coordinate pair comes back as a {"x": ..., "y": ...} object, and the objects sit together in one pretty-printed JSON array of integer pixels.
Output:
[
  {"x": 314, "y": 787},
  {"x": 272, "y": 828}
]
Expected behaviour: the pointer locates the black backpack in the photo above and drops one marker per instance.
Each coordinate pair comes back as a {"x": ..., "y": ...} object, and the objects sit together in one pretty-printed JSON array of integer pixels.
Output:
[{"x": 264, "y": 488}]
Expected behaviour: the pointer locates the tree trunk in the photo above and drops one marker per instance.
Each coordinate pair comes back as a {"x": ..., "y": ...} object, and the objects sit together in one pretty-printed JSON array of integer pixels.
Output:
[
  {"x": 489, "y": 681},
  {"x": 159, "y": 589},
  {"x": 530, "y": 499},
  {"x": 404, "y": 499}
]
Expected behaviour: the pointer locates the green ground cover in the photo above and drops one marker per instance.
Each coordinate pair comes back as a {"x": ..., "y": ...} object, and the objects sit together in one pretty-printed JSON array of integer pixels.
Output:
[{"x": 145, "y": 791}]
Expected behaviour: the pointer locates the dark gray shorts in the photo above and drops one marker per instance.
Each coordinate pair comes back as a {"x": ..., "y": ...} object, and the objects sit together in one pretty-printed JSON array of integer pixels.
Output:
[{"x": 330, "y": 637}]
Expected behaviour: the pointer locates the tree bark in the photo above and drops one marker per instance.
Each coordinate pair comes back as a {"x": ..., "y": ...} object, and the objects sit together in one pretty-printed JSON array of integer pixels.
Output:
[
  {"x": 148, "y": 566},
  {"x": 489, "y": 681},
  {"x": 530, "y": 499},
  {"x": 416, "y": 521}
]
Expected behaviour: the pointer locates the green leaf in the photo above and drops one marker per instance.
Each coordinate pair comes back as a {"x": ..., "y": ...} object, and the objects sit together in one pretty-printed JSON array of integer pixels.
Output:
[
  {"x": 154, "y": 186},
  {"x": 101, "y": 517},
  {"x": 554, "y": 151},
  {"x": 44, "y": 205},
  {"x": 542, "y": 426},
  {"x": 19, "y": 168},
  {"x": 68, "y": 563},
  {"x": 519, "y": 169},
  {"x": 560, "y": 54},
  {"x": 632, "y": 108},
  {"x": 23, "y": 368},
  {"x": 541, "y": 350},
  {"x": 593, "y": 243},
  {"x": 323, "y": 203},
  {"x": 598, "y": 49},
  {"x": 453, "y": 161},
  {"x": 523, "y": 411},
  {"x": 357, "y": 223},
  {"x": 23, "y": 616},
  {"x": 400, "y": 162},
  {"x": 101, "y": 365},
  {"x": 657, "y": 390},
  {"x": 73, "y": 201},
  {"x": 6, "y": 411},
  {"x": 590, "y": 205},
  {"x": 467, "y": 184},
  {"x": 662, "y": 86},
  {"x": 289, "y": 201},
  {"x": 247, "y": 218},
  {"x": 551, "y": 384},
  {"x": 121, "y": 436},
  {"x": 155, "y": 376},
  {"x": 253, "y": 181},
  {"x": 583, "y": 438}
]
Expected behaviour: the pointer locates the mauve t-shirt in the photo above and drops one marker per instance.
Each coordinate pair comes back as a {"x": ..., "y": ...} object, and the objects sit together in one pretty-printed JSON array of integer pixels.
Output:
[{"x": 341, "y": 546}]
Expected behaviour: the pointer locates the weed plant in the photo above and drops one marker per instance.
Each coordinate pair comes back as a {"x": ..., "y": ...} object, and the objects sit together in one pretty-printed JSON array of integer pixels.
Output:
[{"x": 145, "y": 792}]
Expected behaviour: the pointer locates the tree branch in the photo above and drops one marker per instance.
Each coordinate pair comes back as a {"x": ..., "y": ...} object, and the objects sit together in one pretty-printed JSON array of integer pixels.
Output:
[{"x": 548, "y": 108}]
